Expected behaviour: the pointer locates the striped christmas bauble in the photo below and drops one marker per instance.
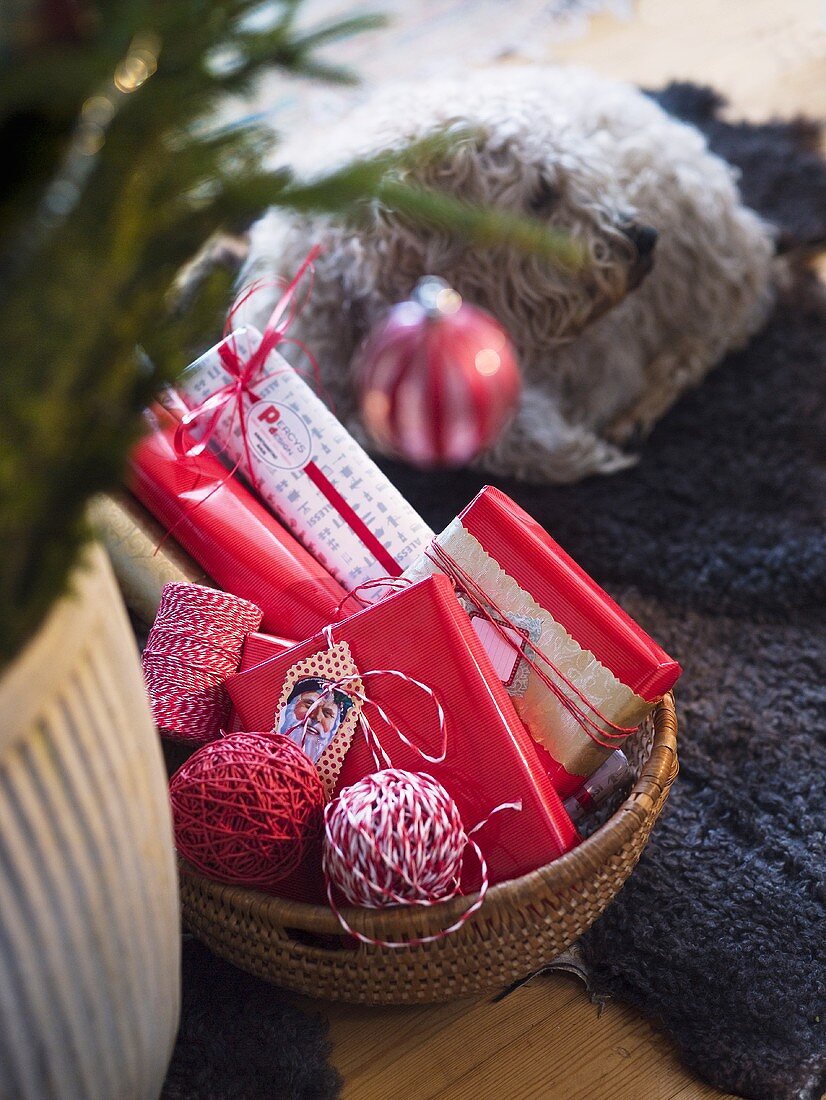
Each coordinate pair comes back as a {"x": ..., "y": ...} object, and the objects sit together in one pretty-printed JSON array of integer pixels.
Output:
[{"x": 438, "y": 378}]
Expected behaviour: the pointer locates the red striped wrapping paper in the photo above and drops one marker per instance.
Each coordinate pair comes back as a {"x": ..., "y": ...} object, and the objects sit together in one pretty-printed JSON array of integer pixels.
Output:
[
  {"x": 230, "y": 534},
  {"x": 596, "y": 647}
]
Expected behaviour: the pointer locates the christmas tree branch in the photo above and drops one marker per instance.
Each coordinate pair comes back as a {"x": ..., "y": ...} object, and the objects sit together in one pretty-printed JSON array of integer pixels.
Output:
[{"x": 114, "y": 181}]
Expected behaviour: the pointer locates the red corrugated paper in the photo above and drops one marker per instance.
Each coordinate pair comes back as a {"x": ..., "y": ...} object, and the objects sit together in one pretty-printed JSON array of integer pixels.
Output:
[
  {"x": 423, "y": 632},
  {"x": 233, "y": 537},
  {"x": 541, "y": 567},
  {"x": 260, "y": 647}
]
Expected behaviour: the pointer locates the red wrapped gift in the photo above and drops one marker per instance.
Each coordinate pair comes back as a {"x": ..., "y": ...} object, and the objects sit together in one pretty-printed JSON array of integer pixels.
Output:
[
  {"x": 257, "y": 649},
  {"x": 249, "y": 403},
  {"x": 260, "y": 647},
  {"x": 582, "y": 674},
  {"x": 424, "y": 634},
  {"x": 233, "y": 537}
]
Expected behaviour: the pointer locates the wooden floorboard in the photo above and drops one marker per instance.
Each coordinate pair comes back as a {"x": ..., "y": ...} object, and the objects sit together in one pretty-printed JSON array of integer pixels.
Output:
[
  {"x": 546, "y": 1040},
  {"x": 767, "y": 56},
  {"x": 432, "y": 1052}
]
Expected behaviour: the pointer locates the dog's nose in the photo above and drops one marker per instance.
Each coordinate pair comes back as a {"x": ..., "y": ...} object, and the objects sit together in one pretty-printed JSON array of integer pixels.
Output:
[{"x": 643, "y": 238}]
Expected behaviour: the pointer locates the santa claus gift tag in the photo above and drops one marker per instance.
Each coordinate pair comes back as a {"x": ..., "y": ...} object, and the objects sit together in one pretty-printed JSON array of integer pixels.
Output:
[{"x": 319, "y": 708}]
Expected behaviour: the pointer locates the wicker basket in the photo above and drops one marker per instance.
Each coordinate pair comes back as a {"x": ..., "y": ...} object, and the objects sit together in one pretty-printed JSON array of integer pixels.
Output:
[{"x": 522, "y": 924}]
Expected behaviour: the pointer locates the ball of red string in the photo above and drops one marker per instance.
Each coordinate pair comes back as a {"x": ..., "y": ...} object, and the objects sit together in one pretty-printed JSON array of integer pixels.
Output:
[
  {"x": 195, "y": 643},
  {"x": 245, "y": 808},
  {"x": 394, "y": 838}
]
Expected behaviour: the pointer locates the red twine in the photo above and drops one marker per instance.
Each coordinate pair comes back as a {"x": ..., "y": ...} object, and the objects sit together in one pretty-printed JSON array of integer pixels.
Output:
[
  {"x": 577, "y": 707},
  {"x": 193, "y": 646},
  {"x": 349, "y": 685},
  {"x": 391, "y": 584},
  {"x": 246, "y": 807},
  {"x": 397, "y": 838}
]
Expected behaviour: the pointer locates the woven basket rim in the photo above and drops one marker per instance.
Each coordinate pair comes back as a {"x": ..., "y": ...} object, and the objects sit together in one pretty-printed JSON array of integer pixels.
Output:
[{"x": 578, "y": 865}]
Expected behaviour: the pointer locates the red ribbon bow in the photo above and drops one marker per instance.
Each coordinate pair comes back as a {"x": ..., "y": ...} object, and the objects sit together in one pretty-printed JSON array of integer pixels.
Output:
[{"x": 246, "y": 370}]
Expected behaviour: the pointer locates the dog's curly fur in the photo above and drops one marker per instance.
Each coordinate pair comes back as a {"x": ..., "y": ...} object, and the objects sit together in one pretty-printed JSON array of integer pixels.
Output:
[{"x": 602, "y": 357}]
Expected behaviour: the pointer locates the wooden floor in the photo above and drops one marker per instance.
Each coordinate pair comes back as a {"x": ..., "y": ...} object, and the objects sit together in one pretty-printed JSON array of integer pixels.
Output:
[{"x": 546, "y": 1040}]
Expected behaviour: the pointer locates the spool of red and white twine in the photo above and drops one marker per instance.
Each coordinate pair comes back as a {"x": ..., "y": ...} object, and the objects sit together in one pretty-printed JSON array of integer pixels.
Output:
[
  {"x": 397, "y": 838},
  {"x": 195, "y": 643}
]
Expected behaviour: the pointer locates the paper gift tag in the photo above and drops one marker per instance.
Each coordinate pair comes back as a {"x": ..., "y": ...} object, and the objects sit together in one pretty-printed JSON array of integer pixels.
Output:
[
  {"x": 334, "y": 721},
  {"x": 506, "y": 645},
  {"x": 306, "y": 467}
]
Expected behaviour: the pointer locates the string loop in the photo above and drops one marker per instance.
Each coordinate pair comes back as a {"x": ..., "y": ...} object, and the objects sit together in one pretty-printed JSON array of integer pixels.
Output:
[
  {"x": 600, "y": 729},
  {"x": 348, "y": 685},
  {"x": 392, "y": 584}
]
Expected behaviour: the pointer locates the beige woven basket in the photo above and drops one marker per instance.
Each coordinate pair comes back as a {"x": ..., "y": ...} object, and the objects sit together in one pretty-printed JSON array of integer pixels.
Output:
[{"x": 522, "y": 925}]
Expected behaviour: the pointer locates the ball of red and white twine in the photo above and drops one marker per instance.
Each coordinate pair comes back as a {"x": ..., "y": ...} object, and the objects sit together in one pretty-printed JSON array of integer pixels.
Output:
[
  {"x": 195, "y": 643},
  {"x": 246, "y": 807},
  {"x": 397, "y": 838}
]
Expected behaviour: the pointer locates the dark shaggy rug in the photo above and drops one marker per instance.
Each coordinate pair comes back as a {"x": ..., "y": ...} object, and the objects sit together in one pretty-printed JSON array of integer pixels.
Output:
[
  {"x": 242, "y": 1039},
  {"x": 715, "y": 541}
]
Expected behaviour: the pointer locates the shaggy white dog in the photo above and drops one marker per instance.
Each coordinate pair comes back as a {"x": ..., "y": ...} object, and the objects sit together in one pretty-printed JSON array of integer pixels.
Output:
[{"x": 680, "y": 271}]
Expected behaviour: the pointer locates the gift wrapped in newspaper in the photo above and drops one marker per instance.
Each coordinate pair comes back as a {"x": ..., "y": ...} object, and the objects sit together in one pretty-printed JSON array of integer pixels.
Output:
[{"x": 581, "y": 673}]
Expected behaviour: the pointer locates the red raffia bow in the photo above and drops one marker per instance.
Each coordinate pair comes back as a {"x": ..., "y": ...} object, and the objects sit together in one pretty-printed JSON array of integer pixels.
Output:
[{"x": 247, "y": 370}]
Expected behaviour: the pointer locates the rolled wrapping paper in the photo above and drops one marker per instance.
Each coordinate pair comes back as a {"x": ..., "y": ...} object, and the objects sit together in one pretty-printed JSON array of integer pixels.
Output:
[
  {"x": 607, "y": 673},
  {"x": 609, "y": 777},
  {"x": 229, "y": 533},
  {"x": 304, "y": 465},
  {"x": 142, "y": 558}
]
